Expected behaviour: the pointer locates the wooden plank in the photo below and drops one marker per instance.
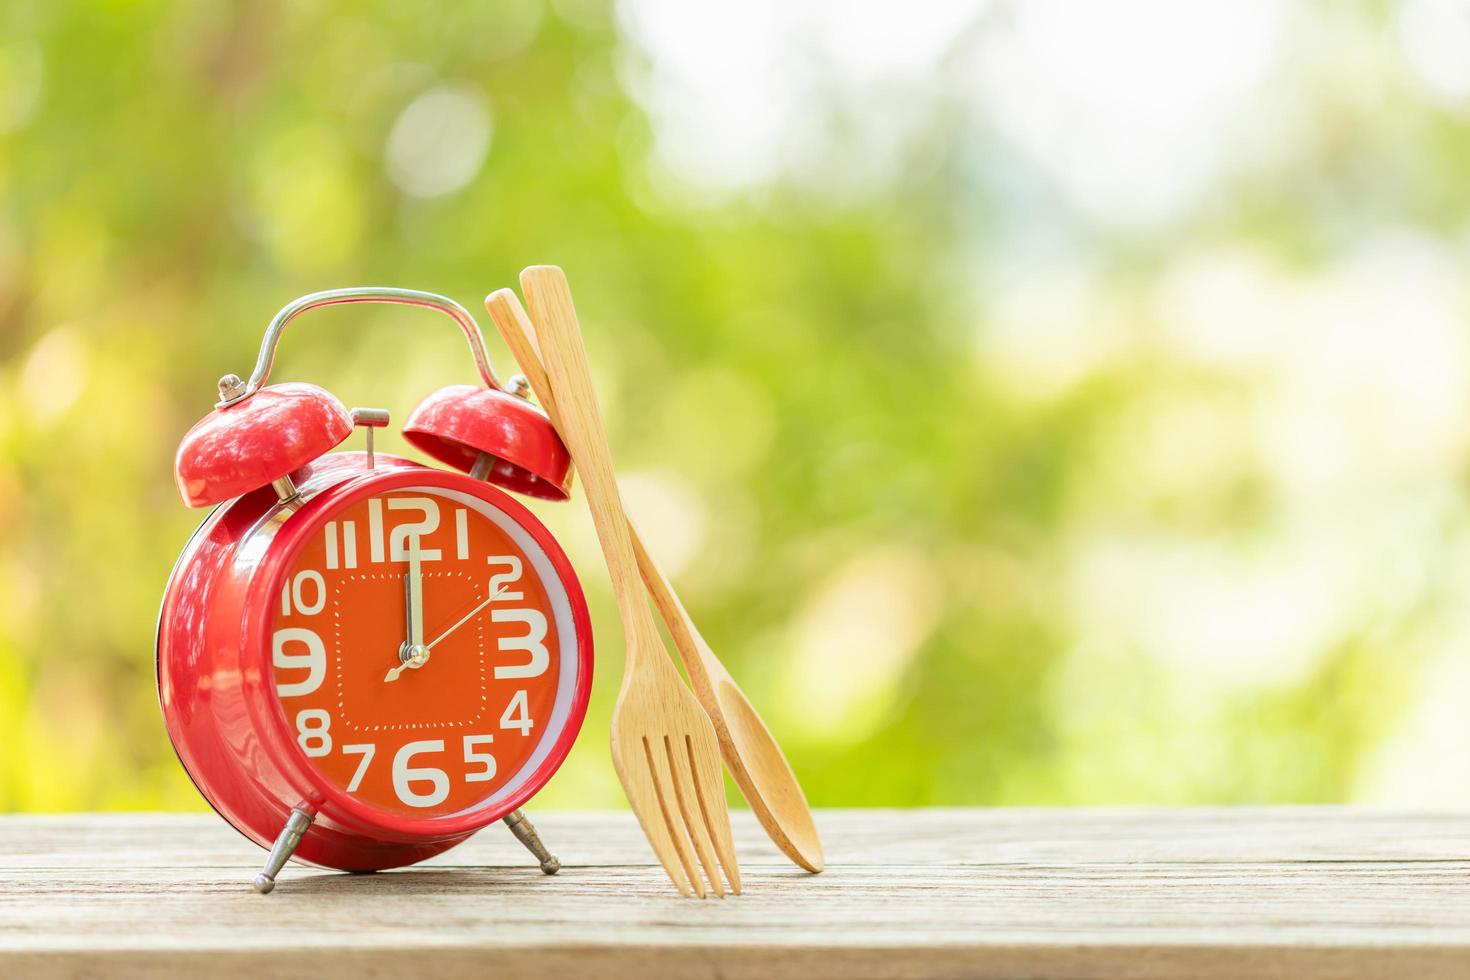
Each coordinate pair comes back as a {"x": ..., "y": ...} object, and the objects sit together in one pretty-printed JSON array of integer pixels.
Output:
[
  {"x": 869, "y": 836},
  {"x": 1288, "y": 892}
]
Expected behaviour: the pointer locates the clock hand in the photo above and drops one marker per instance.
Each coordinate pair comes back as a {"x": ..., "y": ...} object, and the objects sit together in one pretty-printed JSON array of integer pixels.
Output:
[
  {"x": 466, "y": 618},
  {"x": 415, "y": 594},
  {"x": 412, "y": 653},
  {"x": 392, "y": 675}
]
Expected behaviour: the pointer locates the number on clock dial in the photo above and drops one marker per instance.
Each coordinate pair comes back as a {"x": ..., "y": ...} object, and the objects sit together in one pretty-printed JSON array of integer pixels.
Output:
[{"x": 451, "y": 732}]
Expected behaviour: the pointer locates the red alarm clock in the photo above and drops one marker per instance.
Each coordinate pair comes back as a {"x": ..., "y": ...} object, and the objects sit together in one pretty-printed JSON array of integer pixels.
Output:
[{"x": 363, "y": 660}]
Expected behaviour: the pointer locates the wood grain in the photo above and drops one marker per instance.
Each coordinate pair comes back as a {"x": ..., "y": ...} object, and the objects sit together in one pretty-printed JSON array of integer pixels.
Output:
[{"x": 1275, "y": 893}]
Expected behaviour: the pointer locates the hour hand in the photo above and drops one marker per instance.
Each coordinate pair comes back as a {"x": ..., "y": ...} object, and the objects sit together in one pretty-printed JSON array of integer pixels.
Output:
[
  {"x": 412, "y": 653},
  {"x": 413, "y": 585}
]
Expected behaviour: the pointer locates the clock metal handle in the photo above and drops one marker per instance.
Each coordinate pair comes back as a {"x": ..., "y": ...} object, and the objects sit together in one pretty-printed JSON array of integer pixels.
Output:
[{"x": 233, "y": 390}]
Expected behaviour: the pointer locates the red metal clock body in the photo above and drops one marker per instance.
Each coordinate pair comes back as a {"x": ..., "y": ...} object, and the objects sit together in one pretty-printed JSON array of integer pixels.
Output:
[{"x": 363, "y": 660}]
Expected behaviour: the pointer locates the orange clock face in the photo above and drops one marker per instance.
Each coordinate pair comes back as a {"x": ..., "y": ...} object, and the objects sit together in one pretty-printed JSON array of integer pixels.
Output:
[{"x": 423, "y": 652}]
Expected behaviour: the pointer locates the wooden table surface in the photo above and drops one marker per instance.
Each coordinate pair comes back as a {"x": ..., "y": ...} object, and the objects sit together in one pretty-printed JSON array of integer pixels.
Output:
[{"x": 1279, "y": 892}]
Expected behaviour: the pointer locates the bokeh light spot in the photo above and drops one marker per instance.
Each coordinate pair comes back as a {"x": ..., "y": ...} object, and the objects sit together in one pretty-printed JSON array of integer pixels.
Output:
[
  {"x": 439, "y": 142},
  {"x": 22, "y": 81},
  {"x": 670, "y": 516},
  {"x": 853, "y": 640},
  {"x": 54, "y": 374}
]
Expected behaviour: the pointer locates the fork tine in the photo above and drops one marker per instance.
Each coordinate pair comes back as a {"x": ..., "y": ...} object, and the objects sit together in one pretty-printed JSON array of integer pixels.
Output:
[
  {"x": 696, "y": 821},
  {"x": 639, "y": 786},
  {"x": 709, "y": 788},
  {"x": 673, "y": 823}
]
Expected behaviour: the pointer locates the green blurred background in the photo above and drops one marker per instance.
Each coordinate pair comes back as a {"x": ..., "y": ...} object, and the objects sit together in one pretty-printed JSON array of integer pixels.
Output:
[{"x": 1036, "y": 402}]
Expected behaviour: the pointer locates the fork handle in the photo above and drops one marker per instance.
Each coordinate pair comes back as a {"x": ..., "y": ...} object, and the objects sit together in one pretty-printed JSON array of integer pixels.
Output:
[
  {"x": 520, "y": 336},
  {"x": 550, "y": 301}
]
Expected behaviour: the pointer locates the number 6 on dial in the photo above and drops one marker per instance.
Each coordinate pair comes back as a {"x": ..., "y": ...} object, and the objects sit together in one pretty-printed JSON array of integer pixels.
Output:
[{"x": 404, "y": 774}]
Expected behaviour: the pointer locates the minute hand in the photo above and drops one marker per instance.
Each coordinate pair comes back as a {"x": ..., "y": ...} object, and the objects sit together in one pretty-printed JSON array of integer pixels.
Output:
[
  {"x": 415, "y": 597},
  {"x": 467, "y": 617}
]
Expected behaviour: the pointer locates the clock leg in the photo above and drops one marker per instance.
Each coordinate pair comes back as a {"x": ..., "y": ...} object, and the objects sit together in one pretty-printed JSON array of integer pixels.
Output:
[
  {"x": 526, "y": 834},
  {"x": 282, "y": 850}
]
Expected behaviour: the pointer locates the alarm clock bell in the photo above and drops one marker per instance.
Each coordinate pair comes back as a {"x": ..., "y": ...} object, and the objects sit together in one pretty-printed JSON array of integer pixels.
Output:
[{"x": 493, "y": 435}]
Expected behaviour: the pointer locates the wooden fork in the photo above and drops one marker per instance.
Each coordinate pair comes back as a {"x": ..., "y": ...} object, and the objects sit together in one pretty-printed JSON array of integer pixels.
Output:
[
  {"x": 663, "y": 745},
  {"x": 750, "y": 751}
]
